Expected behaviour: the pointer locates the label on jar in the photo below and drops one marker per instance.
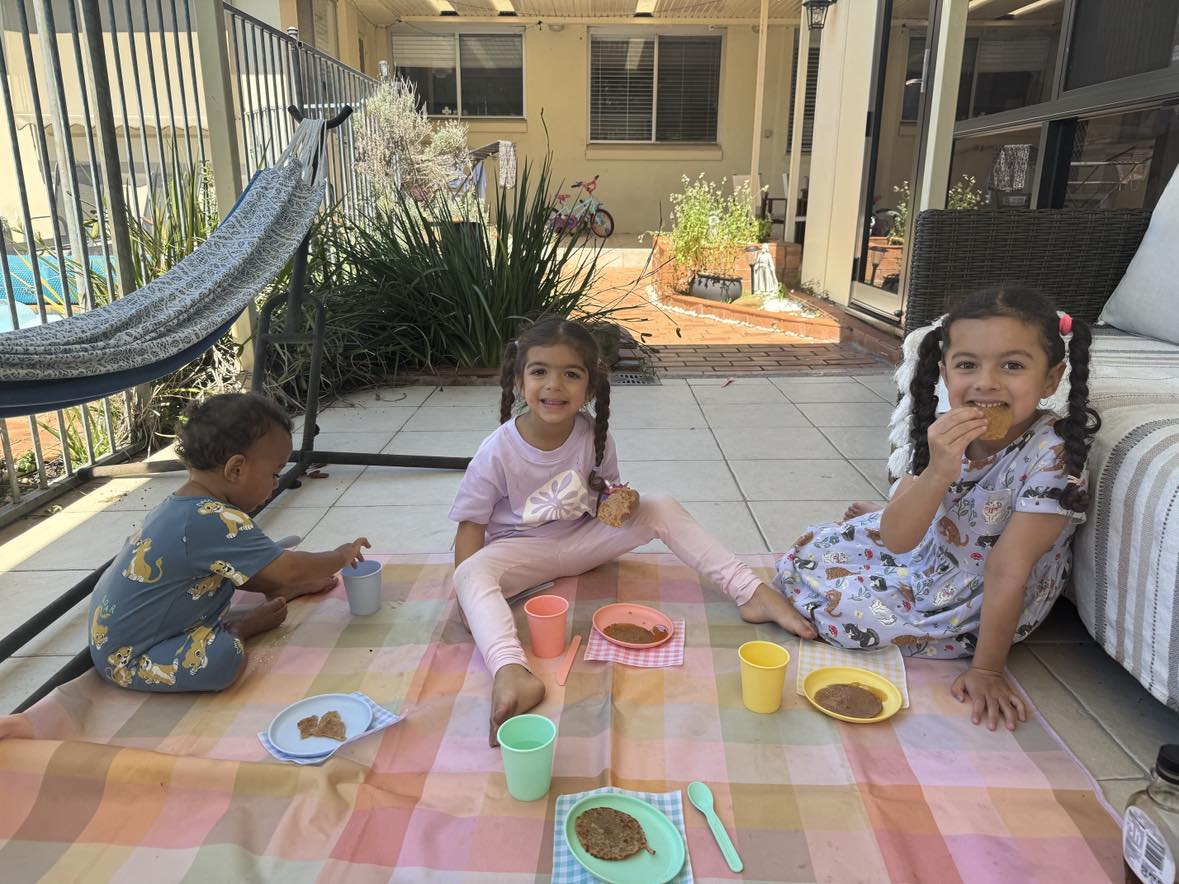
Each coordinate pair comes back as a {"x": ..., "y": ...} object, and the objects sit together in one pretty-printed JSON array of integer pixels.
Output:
[{"x": 1144, "y": 849}]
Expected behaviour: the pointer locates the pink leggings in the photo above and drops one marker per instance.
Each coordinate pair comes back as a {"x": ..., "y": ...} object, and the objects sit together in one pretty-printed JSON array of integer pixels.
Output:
[{"x": 510, "y": 565}]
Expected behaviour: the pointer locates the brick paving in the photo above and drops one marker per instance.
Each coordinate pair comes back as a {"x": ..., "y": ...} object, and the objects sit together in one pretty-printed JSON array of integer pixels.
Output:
[{"x": 706, "y": 346}]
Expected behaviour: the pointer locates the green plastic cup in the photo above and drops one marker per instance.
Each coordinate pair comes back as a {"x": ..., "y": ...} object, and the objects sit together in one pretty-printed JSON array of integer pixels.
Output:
[{"x": 526, "y": 743}]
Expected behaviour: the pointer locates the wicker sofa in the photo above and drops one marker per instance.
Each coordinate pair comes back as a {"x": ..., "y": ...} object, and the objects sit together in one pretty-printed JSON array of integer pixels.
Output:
[{"x": 1126, "y": 568}]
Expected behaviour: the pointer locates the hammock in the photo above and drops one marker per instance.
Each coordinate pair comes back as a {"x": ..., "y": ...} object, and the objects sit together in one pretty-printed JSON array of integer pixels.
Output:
[{"x": 172, "y": 320}]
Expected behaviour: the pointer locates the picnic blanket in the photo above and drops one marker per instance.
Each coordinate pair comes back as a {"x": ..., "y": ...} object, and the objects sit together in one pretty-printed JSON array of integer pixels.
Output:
[{"x": 102, "y": 784}]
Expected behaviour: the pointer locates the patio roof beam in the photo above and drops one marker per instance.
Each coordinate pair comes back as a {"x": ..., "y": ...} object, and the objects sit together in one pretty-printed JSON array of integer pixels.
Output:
[
  {"x": 518, "y": 20},
  {"x": 759, "y": 96},
  {"x": 946, "y": 62}
]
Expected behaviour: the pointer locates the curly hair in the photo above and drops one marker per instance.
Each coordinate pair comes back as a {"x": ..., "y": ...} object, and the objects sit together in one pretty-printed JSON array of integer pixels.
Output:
[
  {"x": 1080, "y": 422},
  {"x": 211, "y": 432},
  {"x": 547, "y": 333}
]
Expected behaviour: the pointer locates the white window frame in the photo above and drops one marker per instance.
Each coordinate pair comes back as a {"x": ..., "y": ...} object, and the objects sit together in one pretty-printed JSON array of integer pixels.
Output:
[
  {"x": 458, "y": 73},
  {"x": 644, "y": 34}
]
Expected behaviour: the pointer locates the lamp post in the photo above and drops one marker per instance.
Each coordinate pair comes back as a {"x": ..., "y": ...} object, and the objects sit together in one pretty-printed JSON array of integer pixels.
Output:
[
  {"x": 751, "y": 255},
  {"x": 816, "y": 13}
]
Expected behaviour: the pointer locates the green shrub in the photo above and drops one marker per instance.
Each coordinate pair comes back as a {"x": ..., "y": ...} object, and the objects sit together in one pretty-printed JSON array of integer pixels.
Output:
[{"x": 709, "y": 229}]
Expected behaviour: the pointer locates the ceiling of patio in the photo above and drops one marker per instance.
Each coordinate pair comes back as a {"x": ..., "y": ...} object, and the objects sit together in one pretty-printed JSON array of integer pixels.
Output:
[{"x": 386, "y": 12}]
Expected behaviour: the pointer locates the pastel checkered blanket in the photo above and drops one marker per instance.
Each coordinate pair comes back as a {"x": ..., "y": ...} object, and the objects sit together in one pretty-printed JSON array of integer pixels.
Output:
[{"x": 100, "y": 784}]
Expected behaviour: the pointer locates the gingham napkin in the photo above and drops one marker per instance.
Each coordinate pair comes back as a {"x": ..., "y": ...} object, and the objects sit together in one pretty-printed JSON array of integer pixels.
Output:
[
  {"x": 566, "y": 868},
  {"x": 670, "y": 653},
  {"x": 382, "y": 718},
  {"x": 889, "y": 662}
]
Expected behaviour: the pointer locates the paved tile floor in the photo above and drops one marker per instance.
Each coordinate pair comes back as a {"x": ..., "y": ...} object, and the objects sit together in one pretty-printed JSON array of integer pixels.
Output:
[{"x": 756, "y": 462}]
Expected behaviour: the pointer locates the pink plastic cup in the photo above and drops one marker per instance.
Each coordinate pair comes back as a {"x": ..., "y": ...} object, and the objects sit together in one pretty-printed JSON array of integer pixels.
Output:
[{"x": 546, "y": 624}]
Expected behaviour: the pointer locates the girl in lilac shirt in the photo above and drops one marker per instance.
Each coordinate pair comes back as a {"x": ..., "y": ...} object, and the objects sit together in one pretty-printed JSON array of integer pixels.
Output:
[{"x": 526, "y": 508}]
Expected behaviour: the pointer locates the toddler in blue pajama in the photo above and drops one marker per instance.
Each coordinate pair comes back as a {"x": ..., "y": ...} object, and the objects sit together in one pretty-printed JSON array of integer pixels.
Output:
[{"x": 160, "y": 617}]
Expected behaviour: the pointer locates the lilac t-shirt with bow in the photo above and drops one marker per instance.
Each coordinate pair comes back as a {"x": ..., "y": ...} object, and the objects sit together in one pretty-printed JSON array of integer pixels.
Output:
[{"x": 513, "y": 487}]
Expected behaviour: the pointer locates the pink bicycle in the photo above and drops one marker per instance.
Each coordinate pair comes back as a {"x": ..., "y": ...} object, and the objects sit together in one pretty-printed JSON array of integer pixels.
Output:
[{"x": 585, "y": 212}]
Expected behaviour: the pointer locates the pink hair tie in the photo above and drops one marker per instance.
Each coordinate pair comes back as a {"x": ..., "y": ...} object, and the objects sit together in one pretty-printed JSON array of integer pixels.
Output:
[{"x": 1066, "y": 324}]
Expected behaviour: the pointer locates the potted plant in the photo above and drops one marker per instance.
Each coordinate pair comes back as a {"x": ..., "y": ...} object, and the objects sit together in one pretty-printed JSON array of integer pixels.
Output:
[{"x": 709, "y": 232}]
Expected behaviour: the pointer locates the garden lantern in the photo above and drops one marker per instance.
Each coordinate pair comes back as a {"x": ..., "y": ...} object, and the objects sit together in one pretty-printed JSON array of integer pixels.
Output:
[{"x": 816, "y": 13}]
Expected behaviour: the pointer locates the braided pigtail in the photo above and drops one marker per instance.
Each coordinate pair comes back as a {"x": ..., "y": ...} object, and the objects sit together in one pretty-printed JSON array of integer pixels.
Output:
[
  {"x": 601, "y": 425},
  {"x": 923, "y": 391},
  {"x": 1082, "y": 421},
  {"x": 507, "y": 380}
]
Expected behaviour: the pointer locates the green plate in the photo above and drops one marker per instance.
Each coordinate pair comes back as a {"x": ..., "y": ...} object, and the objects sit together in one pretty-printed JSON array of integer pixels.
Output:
[{"x": 641, "y": 868}]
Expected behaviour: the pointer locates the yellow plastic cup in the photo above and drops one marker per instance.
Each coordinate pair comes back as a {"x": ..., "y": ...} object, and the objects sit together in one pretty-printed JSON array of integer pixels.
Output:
[{"x": 763, "y": 675}]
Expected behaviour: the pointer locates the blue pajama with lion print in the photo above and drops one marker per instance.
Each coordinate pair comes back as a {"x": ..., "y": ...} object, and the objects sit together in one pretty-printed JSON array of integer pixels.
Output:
[
  {"x": 156, "y": 614},
  {"x": 928, "y": 601}
]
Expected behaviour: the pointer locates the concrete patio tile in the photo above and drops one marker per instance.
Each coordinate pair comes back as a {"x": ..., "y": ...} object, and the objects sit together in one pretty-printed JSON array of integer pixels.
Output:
[
  {"x": 856, "y": 414},
  {"x": 402, "y": 486},
  {"x": 1138, "y": 721},
  {"x": 743, "y": 391},
  {"x": 481, "y": 396},
  {"x": 718, "y": 380},
  {"x": 752, "y": 417},
  {"x": 1118, "y": 791},
  {"x": 883, "y": 384},
  {"x": 390, "y": 396},
  {"x": 279, "y": 522},
  {"x": 322, "y": 492},
  {"x": 859, "y": 443},
  {"x": 20, "y": 676},
  {"x": 728, "y": 521},
  {"x": 776, "y": 443},
  {"x": 1084, "y": 734},
  {"x": 439, "y": 443},
  {"x": 454, "y": 417},
  {"x": 24, "y": 593},
  {"x": 352, "y": 441},
  {"x": 655, "y": 414},
  {"x": 126, "y": 495},
  {"x": 682, "y": 479},
  {"x": 801, "y": 480},
  {"x": 643, "y": 394},
  {"x": 1062, "y": 626},
  {"x": 671, "y": 444},
  {"x": 784, "y": 521},
  {"x": 876, "y": 472},
  {"x": 343, "y": 418},
  {"x": 70, "y": 541},
  {"x": 390, "y": 529},
  {"x": 825, "y": 390}
]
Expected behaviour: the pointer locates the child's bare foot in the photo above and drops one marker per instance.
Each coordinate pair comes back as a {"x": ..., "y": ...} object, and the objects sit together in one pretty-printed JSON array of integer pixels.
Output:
[
  {"x": 859, "y": 507},
  {"x": 246, "y": 624},
  {"x": 302, "y": 587},
  {"x": 514, "y": 691},
  {"x": 767, "y": 605}
]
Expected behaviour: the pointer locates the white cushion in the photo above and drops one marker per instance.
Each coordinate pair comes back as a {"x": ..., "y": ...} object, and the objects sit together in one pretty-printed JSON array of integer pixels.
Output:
[{"x": 1146, "y": 299}]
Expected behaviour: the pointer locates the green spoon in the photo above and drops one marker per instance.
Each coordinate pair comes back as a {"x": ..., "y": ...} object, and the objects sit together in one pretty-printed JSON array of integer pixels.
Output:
[{"x": 701, "y": 797}]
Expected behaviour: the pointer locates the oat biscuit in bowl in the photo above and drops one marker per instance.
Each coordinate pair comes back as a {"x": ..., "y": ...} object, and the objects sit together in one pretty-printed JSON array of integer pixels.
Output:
[
  {"x": 307, "y": 726},
  {"x": 331, "y": 726}
]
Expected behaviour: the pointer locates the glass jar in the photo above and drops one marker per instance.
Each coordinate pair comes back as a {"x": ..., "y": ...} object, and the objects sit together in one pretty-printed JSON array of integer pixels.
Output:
[{"x": 1150, "y": 826}]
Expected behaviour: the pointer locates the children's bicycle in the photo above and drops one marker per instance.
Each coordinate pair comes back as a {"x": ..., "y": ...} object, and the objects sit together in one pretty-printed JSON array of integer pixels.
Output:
[{"x": 585, "y": 212}]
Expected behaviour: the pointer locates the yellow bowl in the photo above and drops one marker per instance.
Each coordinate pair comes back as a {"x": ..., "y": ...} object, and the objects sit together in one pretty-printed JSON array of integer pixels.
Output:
[{"x": 884, "y": 689}]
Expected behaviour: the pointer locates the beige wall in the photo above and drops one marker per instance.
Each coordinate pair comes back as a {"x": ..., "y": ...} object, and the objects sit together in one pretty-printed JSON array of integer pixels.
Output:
[{"x": 636, "y": 180}]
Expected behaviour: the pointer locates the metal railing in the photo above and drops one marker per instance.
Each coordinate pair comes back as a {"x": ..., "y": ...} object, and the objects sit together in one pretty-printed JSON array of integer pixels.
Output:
[
  {"x": 121, "y": 78},
  {"x": 272, "y": 70},
  {"x": 125, "y": 79}
]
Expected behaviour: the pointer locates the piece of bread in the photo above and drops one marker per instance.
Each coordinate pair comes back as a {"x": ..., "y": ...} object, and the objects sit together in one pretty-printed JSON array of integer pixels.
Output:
[
  {"x": 999, "y": 420},
  {"x": 307, "y": 726},
  {"x": 331, "y": 726},
  {"x": 328, "y": 725},
  {"x": 618, "y": 505}
]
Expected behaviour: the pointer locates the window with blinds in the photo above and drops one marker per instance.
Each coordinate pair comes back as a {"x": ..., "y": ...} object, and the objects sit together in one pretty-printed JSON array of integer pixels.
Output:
[
  {"x": 470, "y": 75},
  {"x": 662, "y": 89},
  {"x": 812, "y": 88}
]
